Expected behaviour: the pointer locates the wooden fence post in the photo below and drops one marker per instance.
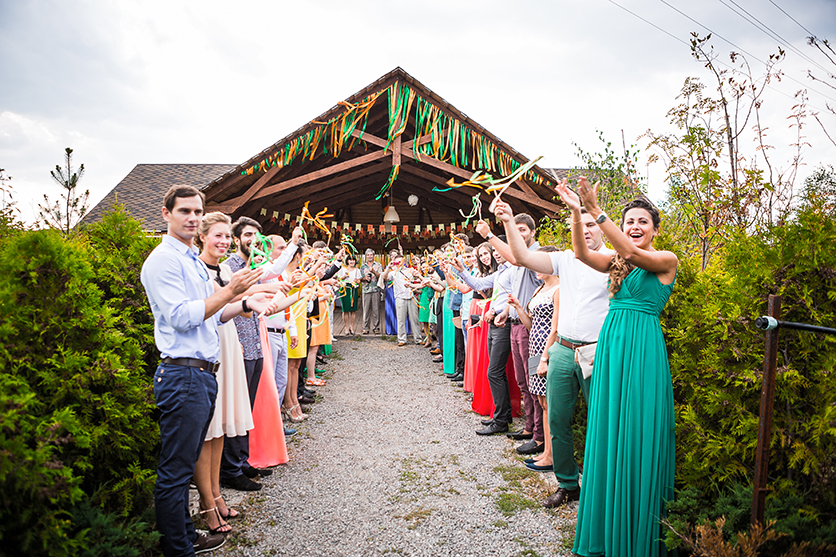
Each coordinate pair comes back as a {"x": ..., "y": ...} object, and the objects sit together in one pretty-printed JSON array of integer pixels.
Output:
[{"x": 770, "y": 364}]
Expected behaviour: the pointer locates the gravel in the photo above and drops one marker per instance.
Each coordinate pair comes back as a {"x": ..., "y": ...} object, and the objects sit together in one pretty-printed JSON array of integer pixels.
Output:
[{"x": 388, "y": 464}]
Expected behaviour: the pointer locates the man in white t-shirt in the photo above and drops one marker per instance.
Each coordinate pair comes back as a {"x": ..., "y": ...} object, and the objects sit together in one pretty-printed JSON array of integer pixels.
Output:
[{"x": 584, "y": 303}]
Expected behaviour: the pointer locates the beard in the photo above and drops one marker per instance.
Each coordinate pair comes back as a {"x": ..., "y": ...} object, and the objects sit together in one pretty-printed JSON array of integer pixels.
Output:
[{"x": 245, "y": 249}]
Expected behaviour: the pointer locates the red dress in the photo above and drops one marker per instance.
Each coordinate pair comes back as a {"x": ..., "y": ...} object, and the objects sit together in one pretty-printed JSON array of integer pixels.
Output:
[{"x": 476, "y": 355}]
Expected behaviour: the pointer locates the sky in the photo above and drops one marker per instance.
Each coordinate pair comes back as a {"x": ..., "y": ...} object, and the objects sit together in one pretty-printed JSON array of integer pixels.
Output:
[{"x": 169, "y": 81}]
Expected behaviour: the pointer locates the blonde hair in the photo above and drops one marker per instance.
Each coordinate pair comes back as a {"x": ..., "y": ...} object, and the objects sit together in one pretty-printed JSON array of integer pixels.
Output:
[{"x": 208, "y": 221}]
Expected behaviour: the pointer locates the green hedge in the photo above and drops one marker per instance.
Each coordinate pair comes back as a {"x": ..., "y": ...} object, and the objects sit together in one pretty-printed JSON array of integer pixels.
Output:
[
  {"x": 77, "y": 409},
  {"x": 716, "y": 357}
]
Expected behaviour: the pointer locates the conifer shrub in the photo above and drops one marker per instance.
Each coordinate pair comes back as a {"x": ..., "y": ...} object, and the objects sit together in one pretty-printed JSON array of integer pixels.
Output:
[
  {"x": 716, "y": 357},
  {"x": 76, "y": 407}
]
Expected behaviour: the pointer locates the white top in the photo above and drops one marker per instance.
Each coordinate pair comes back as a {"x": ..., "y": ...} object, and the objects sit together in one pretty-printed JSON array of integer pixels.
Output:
[
  {"x": 351, "y": 276},
  {"x": 400, "y": 279},
  {"x": 584, "y": 298}
]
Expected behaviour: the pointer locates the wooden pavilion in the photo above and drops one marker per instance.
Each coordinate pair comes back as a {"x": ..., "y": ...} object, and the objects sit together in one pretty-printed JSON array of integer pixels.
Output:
[{"x": 394, "y": 143}]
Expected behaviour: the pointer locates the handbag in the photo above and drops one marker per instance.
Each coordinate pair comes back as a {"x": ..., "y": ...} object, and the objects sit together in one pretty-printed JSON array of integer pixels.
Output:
[{"x": 584, "y": 356}]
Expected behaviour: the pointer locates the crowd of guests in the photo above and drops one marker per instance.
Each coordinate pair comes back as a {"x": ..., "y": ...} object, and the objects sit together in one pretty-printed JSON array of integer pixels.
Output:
[
  {"x": 521, "y": 326},
  {"x": 243, "y": 322}
]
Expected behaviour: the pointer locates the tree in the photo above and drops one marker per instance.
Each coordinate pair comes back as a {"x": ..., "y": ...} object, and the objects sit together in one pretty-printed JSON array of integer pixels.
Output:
[
  {"x": 715, "y": 188},
  {"x": 823, "y": 46},
  {"x": 66, "y": 212}
]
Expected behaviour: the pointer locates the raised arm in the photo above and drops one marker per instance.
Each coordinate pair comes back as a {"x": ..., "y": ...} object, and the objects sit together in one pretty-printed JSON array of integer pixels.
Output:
[
  {"x": 662, "y": 263},
  {"x": 484, "y": 230},
  {"x": 538, "y": 261}
]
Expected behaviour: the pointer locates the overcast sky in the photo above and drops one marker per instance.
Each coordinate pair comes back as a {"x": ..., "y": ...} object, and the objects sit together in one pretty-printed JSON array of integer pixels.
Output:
[{"x": 167, "y": 81}]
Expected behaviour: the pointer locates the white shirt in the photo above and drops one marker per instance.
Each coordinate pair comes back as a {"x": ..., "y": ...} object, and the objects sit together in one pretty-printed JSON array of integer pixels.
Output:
[
  {"x": 399, "y": 284},
  {"x": 351, "y": 276},
  {"x": 584, "y": 298}
]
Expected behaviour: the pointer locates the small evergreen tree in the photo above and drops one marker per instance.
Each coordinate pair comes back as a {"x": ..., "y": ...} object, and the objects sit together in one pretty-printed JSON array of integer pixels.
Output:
[{"x": 65, "y": 213}]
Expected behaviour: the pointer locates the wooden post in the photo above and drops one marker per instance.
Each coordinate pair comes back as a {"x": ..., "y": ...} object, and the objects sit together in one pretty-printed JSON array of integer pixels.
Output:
[{"x": 770, "y": 364}]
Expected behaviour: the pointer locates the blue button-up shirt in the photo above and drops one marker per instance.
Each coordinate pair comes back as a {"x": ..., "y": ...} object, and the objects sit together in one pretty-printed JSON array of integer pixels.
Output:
[
  {"x": 177, "y": 283},
  {"x": 500, "y": 281}
]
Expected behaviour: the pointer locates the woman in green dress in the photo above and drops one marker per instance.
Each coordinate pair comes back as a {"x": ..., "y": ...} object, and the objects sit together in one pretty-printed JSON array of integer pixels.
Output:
[{"x": 630, "y": 450}]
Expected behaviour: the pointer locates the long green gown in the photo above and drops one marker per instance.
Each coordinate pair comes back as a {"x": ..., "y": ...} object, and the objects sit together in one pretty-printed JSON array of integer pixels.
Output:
[{"x": 629, "y": 463}]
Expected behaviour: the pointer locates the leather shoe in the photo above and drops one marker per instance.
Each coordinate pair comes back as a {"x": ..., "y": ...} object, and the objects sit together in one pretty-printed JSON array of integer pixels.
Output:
[
  {"x": 531, "y": 447},
  {"x": 308, "y": 392},
  {"x": 562, "y": 496},
  {"x": 520, "y": 435},
  {"x": 241, "y": 483},
  {"x": 306, "y": 400},
  {"x": 289, "y": 432},
  {"x": 532, "y": 466},
  {"x": 435, "y": 351},
  {"x": 251, "y": 472},
  {"x": 456, "y": 377},
  {"x": 208, "y": 542},
  {"x": 438, "y": 359},
  {"x": 492, "y": 429},
  {"x": 488, "y": 421}
]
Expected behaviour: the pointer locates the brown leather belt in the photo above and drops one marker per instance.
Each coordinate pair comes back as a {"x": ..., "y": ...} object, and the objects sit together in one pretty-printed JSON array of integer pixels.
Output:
[
  {"x": 275, "y": 330},
  {"x": 191, "y": 362},
  {"x": 571, "y": 345},
  {"x": 514, "y": 321}
]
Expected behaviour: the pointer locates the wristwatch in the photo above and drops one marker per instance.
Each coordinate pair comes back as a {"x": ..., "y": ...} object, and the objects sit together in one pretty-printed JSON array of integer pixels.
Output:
[
  {"x": 489, "y": 236},
  {"x": 244, "y": 304},
  {"x": 601, "y": 218},
  {"x": 544, "y": 359}
]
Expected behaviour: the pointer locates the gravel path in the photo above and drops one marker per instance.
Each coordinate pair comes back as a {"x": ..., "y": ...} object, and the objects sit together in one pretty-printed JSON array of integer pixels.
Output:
[{"x": 388, "y": 464}]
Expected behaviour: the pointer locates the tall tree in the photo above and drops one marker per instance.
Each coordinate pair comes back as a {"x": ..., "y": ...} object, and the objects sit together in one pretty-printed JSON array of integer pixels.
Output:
[{"x": 64, "y": 213}]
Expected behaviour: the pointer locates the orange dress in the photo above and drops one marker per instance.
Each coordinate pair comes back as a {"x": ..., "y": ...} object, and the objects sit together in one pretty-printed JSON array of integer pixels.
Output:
[
  {"x": 321, "y": 326},
  {"x": 267, "y": 442}
]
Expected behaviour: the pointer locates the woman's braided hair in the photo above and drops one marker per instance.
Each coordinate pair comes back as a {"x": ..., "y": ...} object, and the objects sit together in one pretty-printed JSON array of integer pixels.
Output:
[{"x": 620, "y": 267}]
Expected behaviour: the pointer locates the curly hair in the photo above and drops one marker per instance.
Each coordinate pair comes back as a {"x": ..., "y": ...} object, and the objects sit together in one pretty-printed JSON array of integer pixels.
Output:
[{"x": 620, "y": 267}]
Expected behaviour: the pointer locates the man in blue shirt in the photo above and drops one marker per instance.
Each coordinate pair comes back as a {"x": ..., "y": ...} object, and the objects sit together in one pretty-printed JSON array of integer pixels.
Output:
[{"x": 187, "y": 310}]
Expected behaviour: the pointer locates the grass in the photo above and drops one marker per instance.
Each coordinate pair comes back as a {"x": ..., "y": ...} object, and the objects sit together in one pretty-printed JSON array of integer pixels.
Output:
[
  {"x": 416, "y": 517},
  {"x": 335, "y": 356},
  {"x": 387, "y": 337},
  {"x": 522, "y": 491},
  {"x": 500, "y": 524}
]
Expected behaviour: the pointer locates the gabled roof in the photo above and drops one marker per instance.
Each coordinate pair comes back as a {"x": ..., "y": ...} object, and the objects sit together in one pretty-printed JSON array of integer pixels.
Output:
[
  {"x": 142, "y": 190},
  {"x": 397, "y": 133}
]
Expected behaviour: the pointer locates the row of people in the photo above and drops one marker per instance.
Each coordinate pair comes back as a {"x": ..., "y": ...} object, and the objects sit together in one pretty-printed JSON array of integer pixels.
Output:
[
  {"x": 535, "y": 314},
  {"x": 239, "y": 336}
]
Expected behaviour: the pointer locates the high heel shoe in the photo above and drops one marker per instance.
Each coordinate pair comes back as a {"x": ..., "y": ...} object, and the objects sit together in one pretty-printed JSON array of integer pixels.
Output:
[
  {"x": 291, "y": 418},
  {"x": 223, "y": 527},
  {"x": 229, "y": 510}
]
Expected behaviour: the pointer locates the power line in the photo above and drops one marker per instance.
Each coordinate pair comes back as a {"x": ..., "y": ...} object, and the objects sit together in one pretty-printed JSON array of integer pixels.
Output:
[
  {"x": 809, "y": 33},
  {"x": 752, "y": 56},
  {"x": 761, "y": 26},
  {"x": 689, "y": 46}
]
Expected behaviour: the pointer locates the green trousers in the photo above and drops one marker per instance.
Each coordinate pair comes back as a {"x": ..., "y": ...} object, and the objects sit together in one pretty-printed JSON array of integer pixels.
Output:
[{"x": 563, "y": 381}]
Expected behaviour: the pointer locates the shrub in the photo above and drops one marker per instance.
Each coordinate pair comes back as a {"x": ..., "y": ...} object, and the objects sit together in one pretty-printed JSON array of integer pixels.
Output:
[
  {"x": 77, "y": 409},
  {"x": 716, "y": 357}
]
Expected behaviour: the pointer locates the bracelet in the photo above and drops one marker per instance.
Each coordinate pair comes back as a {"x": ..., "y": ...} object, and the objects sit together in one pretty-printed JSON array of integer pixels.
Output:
[
  {"x": 244, "y": 304},
  {"x": 544, "y": 360},
  {"x": 489, "y": 236}
]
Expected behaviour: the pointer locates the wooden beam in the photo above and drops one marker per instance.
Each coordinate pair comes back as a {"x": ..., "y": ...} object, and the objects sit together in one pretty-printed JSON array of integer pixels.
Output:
[
  {"x": 396, "y": 151},
  {"x": 369, "y": 138},
  {"x": 239, "y": 201},
  {"x": 413, "y": 168},
  {"x": 328, "y": 171},
  {"x": 319, "y": 188},
  {"x": 535, "y": 200}
]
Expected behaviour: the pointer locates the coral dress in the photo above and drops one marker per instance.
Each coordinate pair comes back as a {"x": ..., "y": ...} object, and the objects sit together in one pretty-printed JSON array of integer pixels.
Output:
[
  {"x": 630, "y": 449},
  {"x": 267, "y": 443}
]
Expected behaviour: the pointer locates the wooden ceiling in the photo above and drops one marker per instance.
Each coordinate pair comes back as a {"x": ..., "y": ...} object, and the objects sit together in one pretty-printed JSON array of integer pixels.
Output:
[{"x": 349, "y": 183}]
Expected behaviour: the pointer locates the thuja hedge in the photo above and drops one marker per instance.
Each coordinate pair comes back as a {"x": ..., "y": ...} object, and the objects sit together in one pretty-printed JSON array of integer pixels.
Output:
[
  {"x": 78, "y": 434},
  {"x": 716, "y": 356}
]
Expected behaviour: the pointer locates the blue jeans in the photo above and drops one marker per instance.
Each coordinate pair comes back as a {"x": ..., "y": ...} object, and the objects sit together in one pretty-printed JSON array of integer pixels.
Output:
[{"x": 186, "y": 397}]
